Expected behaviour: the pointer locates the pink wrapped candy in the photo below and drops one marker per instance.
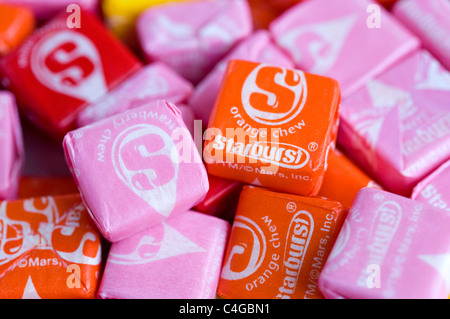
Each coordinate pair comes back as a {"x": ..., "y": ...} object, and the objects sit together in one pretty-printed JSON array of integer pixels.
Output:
[
  {"x": 429, "y": 20},
  {"x": 257, "y": 47},
  {"x": 339, "y": 40},
  {"x": 398, "y": 125},
  {"x": 390, "y": 247},
  {"x": 180, "y": 258},
  {"x": 136, "y": 169},
  {"x": 434, "y": 189},
  {"x": 11, "y": 145},
  {"x": 154, "y": 82},
  {"x": 193, "y": 43}
]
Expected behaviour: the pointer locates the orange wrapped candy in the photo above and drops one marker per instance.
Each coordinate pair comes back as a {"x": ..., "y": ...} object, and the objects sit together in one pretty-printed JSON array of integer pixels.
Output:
[
  {"x": 272, "y": 127},
  {"x": 49, "y": 249},
  {"x": 343, "y": 179},
  {"x": 278, "y": 245},
  {"x": 16, "y": 23}
]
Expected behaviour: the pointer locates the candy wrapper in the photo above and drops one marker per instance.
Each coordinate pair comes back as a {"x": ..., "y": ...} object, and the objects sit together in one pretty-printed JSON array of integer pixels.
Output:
[
  {"x": 16, "y": 23},
  {"x": 272, "y": 127},
  {"x": 343, "y": 179},
  {"x": 193, "y": 44},
  {"x": 257, "y": 47},
  {"x": 178, "y": 259},
  {"x": 154, "y": 82},
  {"x": 390, "y": 247},
  {"x": 397, "y": 126},
  {"x": 429, "y": 21},
  {"x": 278, "y": 245},
  {"x": 58, "y": 65},
  {"x": 50, "y": 249},
  {"x": 136, "y": 169},
  {"x": 330, "y": 37},
  {"x": 433, "y": 190},
  {"x": 12, "y": 154}
]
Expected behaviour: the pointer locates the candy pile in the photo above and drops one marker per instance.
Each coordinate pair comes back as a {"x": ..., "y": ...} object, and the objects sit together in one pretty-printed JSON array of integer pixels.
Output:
[{"x": 224, "y": 149}]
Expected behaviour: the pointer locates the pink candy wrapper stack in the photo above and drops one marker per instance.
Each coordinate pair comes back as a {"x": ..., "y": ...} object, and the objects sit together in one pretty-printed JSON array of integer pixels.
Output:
[
  {"x": 11, "y": 146},
  {"x": 257, "y": 47},
  {"x": 389, "y": 247},
  {"x": 430, "y": 21},
  {"x": 154, "y": 82},
  {"x": 321, "y": 36},
  {"x": 193, "y": 43},
  {"x": 398, "y": 126},
  {"x": 146, "y": 164},
  {"x": 180, "y": 258}
]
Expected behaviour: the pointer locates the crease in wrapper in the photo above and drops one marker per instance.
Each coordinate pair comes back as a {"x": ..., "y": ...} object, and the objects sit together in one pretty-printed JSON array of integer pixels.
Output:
[
  {"x": 330, "y": 37},
  {"x": 50, "y": 249},
  {"x": 136, "y": 169},
  {"x": 398, "y": 126},
  {"x": 257, "y": 47},
  {"x": 12, "y": 156},
  {"x": 390, "y": 247},
  {"x": 433, "y": 190},
  {"x": 192, "y": 44},
  {"x": 180, "y": 258},
  {"x": 153, "y": 82}
]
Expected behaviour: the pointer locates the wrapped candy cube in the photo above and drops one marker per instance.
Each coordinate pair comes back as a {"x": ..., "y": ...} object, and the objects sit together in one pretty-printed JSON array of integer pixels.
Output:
[
  {"x": 46, "y": 9},
  {"x": 177, "y": 259},
  {"x": 16, "y": 23},
  {"x": 272, "y": 127},
  {"x": 153, "y": 82},
  {"x": 278, "y": 245},
  {"x": 49, "y": 249},
  {"x": 429, "y": 21},
  {"x": 193, "y": 44},
  {"x": 257, "y": 47},
  {"x": 390, "y": 247},
  {"x": 11, "y": 145},
  {"x": 433, "y": 190},
  {"x": 397, "y": 126},
  {"x": 59, "y": 70},
  {"x": 136, "y": 169},
  {"x": 330, "y": 37}
]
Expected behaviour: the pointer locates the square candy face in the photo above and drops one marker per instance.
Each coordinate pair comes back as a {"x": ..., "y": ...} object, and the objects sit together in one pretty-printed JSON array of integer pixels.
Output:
[
  {"x": 390, "y": 247},
  {"x": 429, "y": 21},
  {"x": 339, "y": 39},
  {"x": 136, "y": 169},
  {"x": 278, "y": 245},
  {"x": 257, "y": 47},
  {"x": 58, "y": 70},
  {"x": 434, "y": 190},
  {"x": 273, "y": 127},
  {"x": 49, "y": 249},
  {"x": 11, "y": 145},
  {"x": 398, "y": 126},
  {"x": 177, "y": 259},
  {"x": 153, "y": 82},
  {"x": 192, "y": 44}
]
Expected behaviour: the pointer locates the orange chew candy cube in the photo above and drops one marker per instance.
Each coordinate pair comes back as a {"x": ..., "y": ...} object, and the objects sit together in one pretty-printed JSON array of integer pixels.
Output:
[
  {"x": 272, "y": 127},
  {"x": 16, "y": 23},
  {"x": 278, "y": 245},
  {"x": 49, "y": 249}
]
